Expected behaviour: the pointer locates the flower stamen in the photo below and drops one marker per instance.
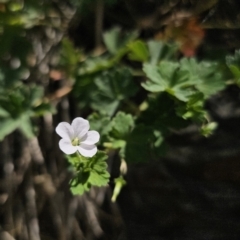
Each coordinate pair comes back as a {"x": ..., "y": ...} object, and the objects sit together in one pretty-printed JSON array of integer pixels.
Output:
[{"x": 76, "y": 142}]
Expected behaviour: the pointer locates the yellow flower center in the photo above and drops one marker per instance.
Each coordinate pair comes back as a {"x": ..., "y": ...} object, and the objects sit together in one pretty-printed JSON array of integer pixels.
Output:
[{"x": 75, "y": 142}]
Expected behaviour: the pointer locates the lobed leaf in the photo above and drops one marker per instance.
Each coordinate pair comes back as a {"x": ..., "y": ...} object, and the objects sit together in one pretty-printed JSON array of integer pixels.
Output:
[
  {"x": 138, "y": 51},
  {"x": 89, "y": 172}
]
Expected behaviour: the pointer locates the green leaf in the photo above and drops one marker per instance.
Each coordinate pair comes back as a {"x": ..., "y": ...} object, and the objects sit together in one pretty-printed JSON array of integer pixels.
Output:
[
  {"x": 193, "y": 109},
  {"x": 97, "y": 179},
  {"x": 122, "y": 125},
  {"x": 36, "y": 94},
  {"x": 15, "y": 6},
  {"x": 155, "y": 49},
  {"x": 100, "y": 123},
  {"x": 138, "y": 51},
  {"x": 116, "y": 144},
  {"x": 235, "y": 71},
  {"x": 93, "y": 65},
  {"x": 4, "y": 113},
  {"x": 79, "y": 185},
  {"x": 68, "y": 53},
  {"x": 79, "y": 189},
  {"x": 88, "y": 172},
  {"x": 234, "y": 60},
  {"x": 184, "y": 79},
  {"x": 157, "y": 82},
  {"x": 7, "y": 125},
  {"x": 73, "y": 159},
  {"x": 112, "y": 87},
  {"x": 233, "y": 63},
  {"x": 115, "y": 39},
  {"x": 18, "y": 105},
  {"x": 69, "y": 57},
  {"x": 169, "y": 78},
  {"x": 26, "y": 125},
  {"x": 98, "y": 170},
  {"x": 111, "y": 39},
  {"x": 207, "y": 76}
]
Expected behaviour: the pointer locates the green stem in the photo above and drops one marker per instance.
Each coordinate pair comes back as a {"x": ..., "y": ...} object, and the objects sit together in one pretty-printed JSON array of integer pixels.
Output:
[{"x": 79, "y": 156}]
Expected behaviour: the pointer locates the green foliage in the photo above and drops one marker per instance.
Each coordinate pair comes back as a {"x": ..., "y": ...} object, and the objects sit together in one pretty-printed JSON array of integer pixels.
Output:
[
  {"x": 19, "y": 102},
  {"x": 115, "y": 41},
  {"x": 106, "y": 90},
  {"x": 190, "y": 83},
  {"x": 113, "y": 86},
  {"x": 147, "y": 140},
  {"x": 25, "y": 14},
  {"x": 100, "y": 123},
  {"x": 121, "y": 127},
  {"x": 151, "y": 51},
  {"x": 114, "y": 132},
  {"x": 155, "y": 49},
  {"x": 121, "y": 124},
  {"x": 18, "y": 106},
  {"x": 88, "y": 172},
  {"x": 136, "y": 93},
  {"x": 208, "y": 75},
  {"x": 138, "y": 51},
  {"x": 69, "y": 57},
  {"x": 167, "y": 77},
  {"x": 193, "y": 109},
  {"x": 183, "y": 79},
  {"x": 12, "y": 57},
  {"x": 233, "y": 62},
  {"x": 111, "y": 40}
]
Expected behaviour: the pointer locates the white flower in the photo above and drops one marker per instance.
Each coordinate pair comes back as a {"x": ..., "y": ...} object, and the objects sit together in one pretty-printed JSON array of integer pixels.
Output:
[{"x": 76, "y": 137}]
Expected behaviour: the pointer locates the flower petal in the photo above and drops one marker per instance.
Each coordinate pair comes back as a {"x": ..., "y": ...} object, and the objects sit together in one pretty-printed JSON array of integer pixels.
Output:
[
  {"x": 92, "y": 138},
  {"x": 65, "y": 130},
  {"x": 87, "y": 150},
  {"x": 80, "y": 127},
  {"x": 67, "y": 147}
]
